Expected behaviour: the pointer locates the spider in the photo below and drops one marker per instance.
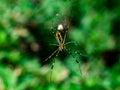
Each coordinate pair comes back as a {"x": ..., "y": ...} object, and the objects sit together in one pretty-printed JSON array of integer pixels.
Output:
[{"x": 60, "y": 35}]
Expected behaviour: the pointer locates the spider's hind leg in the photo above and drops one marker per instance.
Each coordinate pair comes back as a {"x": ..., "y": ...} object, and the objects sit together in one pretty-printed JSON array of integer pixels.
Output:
[
  {"x": 53, "y": 64},
  {"x": 76, "y": 60}
]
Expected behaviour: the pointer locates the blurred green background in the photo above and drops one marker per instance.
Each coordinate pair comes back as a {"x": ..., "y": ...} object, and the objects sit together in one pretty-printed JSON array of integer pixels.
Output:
[{"x": 26, "y": 35}]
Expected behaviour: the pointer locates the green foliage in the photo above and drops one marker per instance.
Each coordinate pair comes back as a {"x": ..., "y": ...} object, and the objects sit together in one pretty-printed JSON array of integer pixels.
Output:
[{"x": 26, "y": 35}]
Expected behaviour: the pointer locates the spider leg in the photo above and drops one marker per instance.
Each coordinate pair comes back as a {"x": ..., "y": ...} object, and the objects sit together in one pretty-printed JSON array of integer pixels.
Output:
[
  {"x": 69, "y": 51},
  {"x": 51, "y": 55},
  {"x": 53, "y": 27},
  {"x": 70, "y": 42},
  {"x": 79, "y": 53},
  {"x": 53, "y": 64},
  {"x": 54, "y": 44},
  {"x": 64, "y": 36}
]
